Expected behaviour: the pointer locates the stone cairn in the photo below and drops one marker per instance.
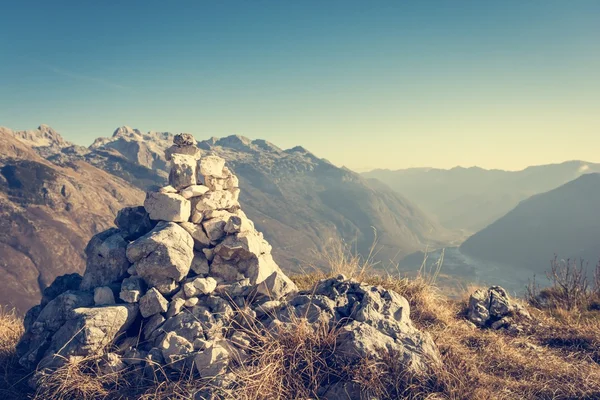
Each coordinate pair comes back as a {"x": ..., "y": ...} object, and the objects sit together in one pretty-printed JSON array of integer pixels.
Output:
[{"x": 169, "y": 284}]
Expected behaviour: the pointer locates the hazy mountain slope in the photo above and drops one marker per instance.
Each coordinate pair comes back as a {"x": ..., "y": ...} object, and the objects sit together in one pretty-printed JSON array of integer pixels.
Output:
[
  {"x": 47, "y": 215},
  {"x": 145, "y": 149},
  {"x": 300, "y": 201},
  {"x": 472, "y": 198},
  {"x": 564, "y": 221}
]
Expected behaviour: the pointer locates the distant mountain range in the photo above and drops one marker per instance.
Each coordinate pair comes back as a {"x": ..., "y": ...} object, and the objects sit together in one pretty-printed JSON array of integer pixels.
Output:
[
  {"x": 472, "y": 198},
  {"x": 55, "y": 195},
  {"x": 564, "y": 221}
]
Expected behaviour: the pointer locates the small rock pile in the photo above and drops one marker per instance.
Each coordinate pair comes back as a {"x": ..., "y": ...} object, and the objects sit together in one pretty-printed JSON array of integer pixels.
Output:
[
  {"x": 167, "y": 287},
  {"x": 493, "y": 308}
]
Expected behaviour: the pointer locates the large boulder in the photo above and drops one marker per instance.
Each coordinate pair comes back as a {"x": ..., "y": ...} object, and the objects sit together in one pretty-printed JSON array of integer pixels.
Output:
[
  {"x": 36, "y": 340},
  {"x": 164, "y": 254},
  {"x": 88, "y": 331},
  {"x": 167, "y": 207},
  {"x": 371, "y": 322},
  {"x": 212, "y": 166},
  {"x": 106, "y": 260}
]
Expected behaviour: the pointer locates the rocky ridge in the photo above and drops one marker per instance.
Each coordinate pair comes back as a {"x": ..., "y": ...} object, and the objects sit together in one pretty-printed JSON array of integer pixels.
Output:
[{"x": 179, "y": 280}]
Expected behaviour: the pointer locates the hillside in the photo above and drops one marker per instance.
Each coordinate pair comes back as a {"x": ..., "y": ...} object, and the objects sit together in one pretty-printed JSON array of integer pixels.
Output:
[
  {"x": 48, "y": 213},
  {"x": 564, "y": 221},
  {"x": 472, "y": 198}
]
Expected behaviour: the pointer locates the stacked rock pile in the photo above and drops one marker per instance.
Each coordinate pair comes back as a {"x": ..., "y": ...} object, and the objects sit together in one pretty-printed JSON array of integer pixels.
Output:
[{"x": 168, "y": 286}]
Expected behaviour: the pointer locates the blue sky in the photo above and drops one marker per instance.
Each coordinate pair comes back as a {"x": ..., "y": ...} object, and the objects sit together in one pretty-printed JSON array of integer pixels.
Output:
[{"x": 362, "y": 83}]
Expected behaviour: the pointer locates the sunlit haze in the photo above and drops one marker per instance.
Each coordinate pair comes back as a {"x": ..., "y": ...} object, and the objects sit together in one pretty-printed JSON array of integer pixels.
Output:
[{"x": 384, "y": 84}]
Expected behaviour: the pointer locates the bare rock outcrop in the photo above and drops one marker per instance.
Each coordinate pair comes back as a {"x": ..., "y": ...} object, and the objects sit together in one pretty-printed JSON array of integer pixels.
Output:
[{"x": 493, "y": 308}]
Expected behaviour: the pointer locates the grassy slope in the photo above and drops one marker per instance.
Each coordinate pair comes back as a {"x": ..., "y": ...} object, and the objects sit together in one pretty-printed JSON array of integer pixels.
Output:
[{"x": 558, "y": 357}]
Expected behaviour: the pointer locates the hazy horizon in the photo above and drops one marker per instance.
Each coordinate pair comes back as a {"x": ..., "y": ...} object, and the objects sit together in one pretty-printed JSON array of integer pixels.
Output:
[{"x": 387, "y": 85}]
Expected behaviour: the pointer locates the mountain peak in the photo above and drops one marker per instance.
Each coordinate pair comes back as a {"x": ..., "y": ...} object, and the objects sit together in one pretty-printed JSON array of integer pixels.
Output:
[{"x": 126, "y": 130}]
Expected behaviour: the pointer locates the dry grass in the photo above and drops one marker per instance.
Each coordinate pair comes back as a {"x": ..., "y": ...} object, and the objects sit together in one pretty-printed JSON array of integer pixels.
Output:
[
  {"x": 13, "y": 382},
  {"x": 557, "y": 356}
]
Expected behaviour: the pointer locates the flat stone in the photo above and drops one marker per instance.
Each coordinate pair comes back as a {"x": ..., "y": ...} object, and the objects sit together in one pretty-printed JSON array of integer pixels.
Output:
[
  {"x": 167, "y": 207},
  {"x": 153, "y": 303},
  {"x": 193, "y": 191},
  {"x": 191, "y": 151}
]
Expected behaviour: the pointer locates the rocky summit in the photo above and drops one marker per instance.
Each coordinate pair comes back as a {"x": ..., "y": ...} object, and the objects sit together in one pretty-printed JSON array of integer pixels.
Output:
[{"x": 178, "y": 282}]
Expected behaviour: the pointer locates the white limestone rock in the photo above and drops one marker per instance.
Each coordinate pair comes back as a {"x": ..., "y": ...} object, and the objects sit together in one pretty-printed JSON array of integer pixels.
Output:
[
  {"x": 191, "y": 302},
  {"x": 88, "y": 331},
  {"x": 175, "y": 349},
  {"x": 212, "y": 166},
  {"x": 153, "y": 303},
  {"x": 183, "y": 171},
  {"x": 218, "y": 200},
  {"x": 194, "y": 191},
  {"x": 213, "y": 361},
  {"x": 167, "y": 207},
  {"x": 248, "y": 253},
  {"x": 164, "y": 253},
  {"x": 200, "y": 286}
]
